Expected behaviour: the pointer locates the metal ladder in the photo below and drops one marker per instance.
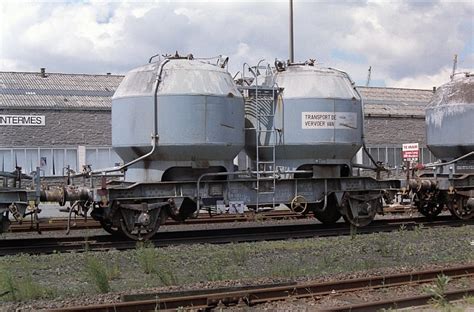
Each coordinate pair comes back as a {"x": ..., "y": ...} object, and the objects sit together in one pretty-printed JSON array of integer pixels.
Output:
[{"x": 261, "y": 104}]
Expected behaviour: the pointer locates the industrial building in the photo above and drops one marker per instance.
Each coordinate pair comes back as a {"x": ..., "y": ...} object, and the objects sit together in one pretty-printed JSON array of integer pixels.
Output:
[
  {"x": 57, "y": 120},
  {"x": 71, "y": 124},
  {"x": 394, "y": 116}
]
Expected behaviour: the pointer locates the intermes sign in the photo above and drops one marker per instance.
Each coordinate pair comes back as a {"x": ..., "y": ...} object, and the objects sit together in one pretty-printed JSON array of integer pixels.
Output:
[{"x": 22, "y": 120}]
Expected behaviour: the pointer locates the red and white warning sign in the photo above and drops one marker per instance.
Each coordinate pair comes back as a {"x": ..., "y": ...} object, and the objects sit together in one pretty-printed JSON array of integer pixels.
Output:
[{"x": 410, "y": 152}]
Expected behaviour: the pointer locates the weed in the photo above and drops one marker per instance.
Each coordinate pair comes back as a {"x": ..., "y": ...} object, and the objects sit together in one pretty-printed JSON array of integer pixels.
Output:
[
  {"x": 382, "y": 244},
  {"x": 437, "y": 291},
  {"x": 285, "y": 269},
  {"x": 469, "y": 300},
  {"x": 166, "y": 275},
  {"x": 239, "y": 254},
  {"x": 22, "y": 288},
  {"x": 147, "y": 257},
  {"x": 113, "y": 272},
  {"x": 403, "y": 228},
  {"x": 153, "y": 263},
  {"x": 9, "y": 289},
  {"x": 419, "y": 229},
  {"x": 30, "y": 289},
  {"x": 258, "y": 217},
  {"x": 212, "y": 274},
  {"x": 368, "y": 264},
  {"x": 353, "y": 232},
  {"x": 97, "y": 274},
  {"x": 327, "y": 260},
  {"x": 87, "y": 242}
]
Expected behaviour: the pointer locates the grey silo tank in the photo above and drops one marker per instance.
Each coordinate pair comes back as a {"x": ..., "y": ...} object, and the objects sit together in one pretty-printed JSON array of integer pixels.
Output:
[
  {"x": 450, "y": 119},
  {"x": 318, "y": 118},
  {"x": 200, "y": 120}
]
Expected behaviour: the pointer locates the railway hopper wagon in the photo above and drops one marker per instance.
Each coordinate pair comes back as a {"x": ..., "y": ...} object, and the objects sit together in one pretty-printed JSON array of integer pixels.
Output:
[
  {"x": 179, "y": 139},
  {"x": 15, "y": 199},
  {"x": 450, "y": 137},
  {"x": 178, "y": 123}
]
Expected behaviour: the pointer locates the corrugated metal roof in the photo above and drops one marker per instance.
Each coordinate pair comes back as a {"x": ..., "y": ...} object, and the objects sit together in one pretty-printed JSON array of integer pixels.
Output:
[
  {"x": 23, "y": 90},
  {"x": 380, "y": 101},
  {"x": 28, "y": 90}
]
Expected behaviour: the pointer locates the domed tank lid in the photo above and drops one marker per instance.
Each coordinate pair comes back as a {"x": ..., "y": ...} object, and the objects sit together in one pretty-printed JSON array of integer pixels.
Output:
[
  {"x": 309, "y": 81},
  {"x": 179, "y": 77},
  {"x": 196, "y": 77},
  {"x": 459, "y": 91}
]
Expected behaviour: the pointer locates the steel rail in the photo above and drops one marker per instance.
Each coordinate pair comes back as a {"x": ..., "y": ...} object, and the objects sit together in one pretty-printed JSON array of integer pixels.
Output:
[
  {"x": 253, "y": 295},
  {"x": 212, "y": 236},
  {"x": 60, "y": 224},
  {"x": 400, "y": 303}
]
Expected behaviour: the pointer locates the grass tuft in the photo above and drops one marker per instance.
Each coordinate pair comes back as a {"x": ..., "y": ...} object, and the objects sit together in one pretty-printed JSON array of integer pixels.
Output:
[
  {"x": 147, "y": 257},
  {"x": 438, "y": 291},
  {"x": 152, "y": 262},
  {"x": 21, "y": 288},
  {"x": 8, "y": 288},
  {"x": 96, "y": 273}
]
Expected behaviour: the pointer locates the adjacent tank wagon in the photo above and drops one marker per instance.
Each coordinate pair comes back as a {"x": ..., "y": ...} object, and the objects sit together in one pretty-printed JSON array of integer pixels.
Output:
[
  {"x": 450, "y": 119},
  {"x": 450, "y": 137}
]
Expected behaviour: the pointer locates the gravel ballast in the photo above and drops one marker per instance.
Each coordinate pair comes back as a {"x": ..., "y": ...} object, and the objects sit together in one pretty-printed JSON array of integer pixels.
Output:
[{"x": 64, "y": 279}]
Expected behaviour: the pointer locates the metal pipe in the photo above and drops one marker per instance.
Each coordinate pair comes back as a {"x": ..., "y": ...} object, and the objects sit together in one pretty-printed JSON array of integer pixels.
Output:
[
  {"x": 292, "y": 56},
  {"x": 325, "y": 198},
  {"x": 155, "y": 93},
  {"x": 155, "y": 129},
  {"x": 362, "y": 166},
  {"x": 65, "y": 194},
  {"x": 152, "y": 57},
  {"x": 364, "y": 147},
  {"x": 68, "y": 229},
  {"x": 450, "y": 162}
]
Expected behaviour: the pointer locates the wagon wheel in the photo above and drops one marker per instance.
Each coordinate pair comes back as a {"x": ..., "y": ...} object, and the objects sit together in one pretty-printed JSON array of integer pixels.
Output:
[
  {"x": 428, "y": 208},
  {"x": 330, "y": 215},
  {"x": 110, "y": 228},
  {"x": 458, "y": 207},
  {"x": 4, "y": 222},
  {"x": 366, "y": 210},
  {"x": 139, "y": 225},
  {"x": 299, "y": 205}
]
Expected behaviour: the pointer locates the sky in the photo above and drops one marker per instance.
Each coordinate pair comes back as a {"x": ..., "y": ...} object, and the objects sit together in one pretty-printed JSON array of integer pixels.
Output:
[{"x": 408, "y": 44}]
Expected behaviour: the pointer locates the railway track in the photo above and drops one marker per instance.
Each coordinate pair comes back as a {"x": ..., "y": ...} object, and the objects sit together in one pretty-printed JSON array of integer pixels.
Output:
[
  {"x": 45, "y": 245},
  {"x": 207, "y": 299},
  {"x": 60, "y": 224}
]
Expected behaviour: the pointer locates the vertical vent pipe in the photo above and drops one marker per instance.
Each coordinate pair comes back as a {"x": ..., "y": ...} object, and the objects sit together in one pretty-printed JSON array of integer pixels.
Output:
[{"x": 292, "y": 54}]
